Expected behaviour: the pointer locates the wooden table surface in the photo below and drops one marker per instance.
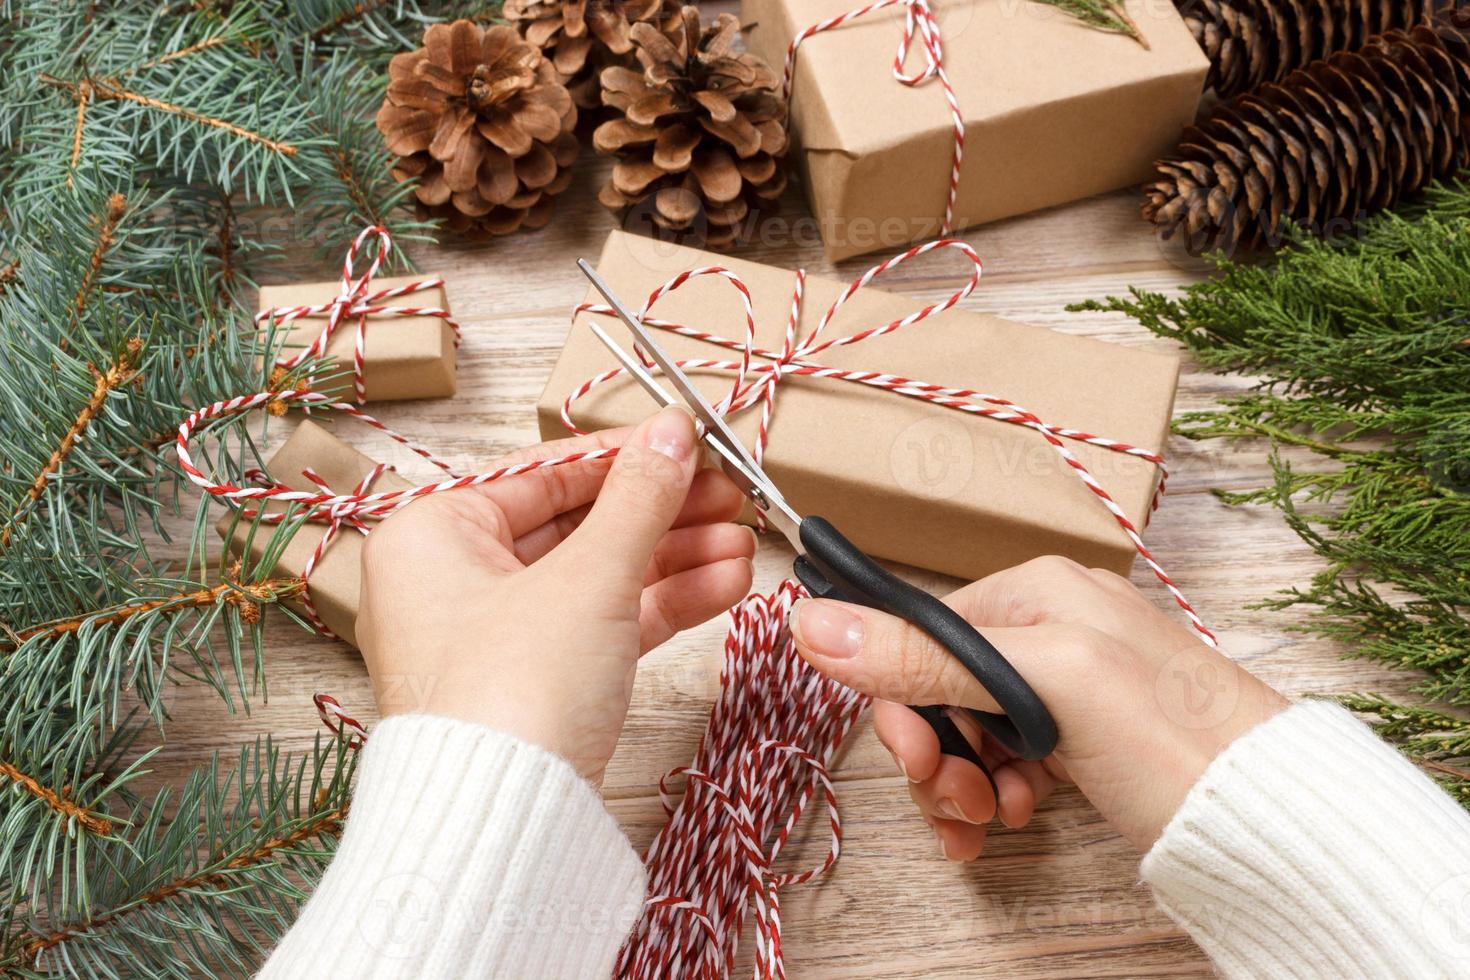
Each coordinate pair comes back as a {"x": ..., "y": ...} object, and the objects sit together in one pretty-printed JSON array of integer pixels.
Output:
[{"x": 1059, "y": 898}]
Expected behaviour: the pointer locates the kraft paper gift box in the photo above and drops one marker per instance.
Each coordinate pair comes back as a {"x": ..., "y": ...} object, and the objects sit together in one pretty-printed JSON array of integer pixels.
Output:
[
  {"x": 335, "y": 581},
  {"x": 403, "y": 356},
  {"x": 1054, "y": 111},
  {"x": 905, "y": 479}
]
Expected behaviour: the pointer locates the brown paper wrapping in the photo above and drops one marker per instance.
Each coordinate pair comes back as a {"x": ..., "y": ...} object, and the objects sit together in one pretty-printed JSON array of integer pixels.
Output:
[
  {"x": 335, "y": 580},
  {"x": 404, "y": 356},
  {"x": 904, "y": 479},
  {"x": 1054, "y": 111}
]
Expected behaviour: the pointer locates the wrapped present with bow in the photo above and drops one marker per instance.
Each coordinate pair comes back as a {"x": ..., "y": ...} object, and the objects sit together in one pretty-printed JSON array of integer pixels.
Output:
[
  {"x": 387, "y": 339},
  {"x": 326, "y": 551},
  {"x": 916, "y": 117},
  {"x": 933, "y": 436}
]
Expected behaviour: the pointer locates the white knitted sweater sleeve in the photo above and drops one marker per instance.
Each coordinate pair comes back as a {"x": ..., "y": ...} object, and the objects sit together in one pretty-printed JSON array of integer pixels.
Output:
[
  {"x": 1310, "y": 848},
  {"x": 468, "y": 853}
]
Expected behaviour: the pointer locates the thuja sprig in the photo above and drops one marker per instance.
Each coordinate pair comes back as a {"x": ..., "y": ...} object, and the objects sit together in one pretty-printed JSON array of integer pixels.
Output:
[
  {"x": 1360, "y": 354},
  {"x": 1105, "y": 15}
]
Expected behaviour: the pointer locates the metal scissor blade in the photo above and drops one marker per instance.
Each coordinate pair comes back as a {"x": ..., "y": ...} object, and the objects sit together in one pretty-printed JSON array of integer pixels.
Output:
[
  {"x": 701, "y": 408},
  {"x": 736, "y": 462},
  {"x": 749, "y": 483}
]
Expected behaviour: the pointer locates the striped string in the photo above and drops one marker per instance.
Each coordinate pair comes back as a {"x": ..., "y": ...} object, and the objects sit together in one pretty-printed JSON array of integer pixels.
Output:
[
  {"x": 322, "y": 505},
  {"x": 762, "y": 763},
  {"x": 356, "y": 302},
  {"x": 918, "y": 20}
]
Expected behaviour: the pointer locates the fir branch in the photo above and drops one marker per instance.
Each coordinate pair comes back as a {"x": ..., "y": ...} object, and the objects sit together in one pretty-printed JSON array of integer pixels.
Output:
[
  {"x": 352, "y": 13},
  {"x": 184, "y": 52},
  {"x": 120, "y": 372},
  {"x": 217, "y": 875},
  {"x": 106, "y": 238},
  {"x": 141, "y": 190},
  {"x": 226, "y": 867},
  {"x": 56, "y": 801},
  {"x": 247, "y": 597},
  {"x": 107, "y": 88},
  {"x": 83, "y": 96}
]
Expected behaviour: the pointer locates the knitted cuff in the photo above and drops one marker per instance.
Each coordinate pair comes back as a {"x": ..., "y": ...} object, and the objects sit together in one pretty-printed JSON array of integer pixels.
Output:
[
  {"x": 1310, "y": 847},
  {"x": 467, "y": 853}
]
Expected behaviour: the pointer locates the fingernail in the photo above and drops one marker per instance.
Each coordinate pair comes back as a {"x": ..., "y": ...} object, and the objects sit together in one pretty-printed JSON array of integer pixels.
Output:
[
  {"x": 949, "y": 809},
  {"x": 755, "y": 539},
  {"x": 943, "y": 850},
  {"x": 828, "y": 628},
  {"x": 671, "y": 433},
  {"x": 901, "y": 767}
]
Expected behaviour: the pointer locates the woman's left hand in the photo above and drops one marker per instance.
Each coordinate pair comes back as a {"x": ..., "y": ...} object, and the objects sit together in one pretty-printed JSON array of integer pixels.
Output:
[{"x": 524, "y": 604}]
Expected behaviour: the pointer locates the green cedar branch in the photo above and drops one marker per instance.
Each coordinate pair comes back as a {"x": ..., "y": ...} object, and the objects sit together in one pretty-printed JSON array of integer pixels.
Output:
[
  {"x": 1358, "y": 348},
  {"x": 1104, "y": 15}
]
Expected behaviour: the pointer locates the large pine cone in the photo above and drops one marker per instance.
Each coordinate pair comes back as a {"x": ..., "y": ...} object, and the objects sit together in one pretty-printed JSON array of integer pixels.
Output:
[
  {"x": 1332, "y": 144},
  {"x": 582, "y": 37},
  {"x": 479, "y": 117},
  {"x": 1250, "y": 42},
  {"x": 702, "y": 137}
]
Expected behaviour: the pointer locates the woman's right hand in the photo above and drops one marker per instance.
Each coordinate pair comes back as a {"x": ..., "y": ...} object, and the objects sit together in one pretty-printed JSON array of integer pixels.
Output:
[{"x": 1141, "y": 703}]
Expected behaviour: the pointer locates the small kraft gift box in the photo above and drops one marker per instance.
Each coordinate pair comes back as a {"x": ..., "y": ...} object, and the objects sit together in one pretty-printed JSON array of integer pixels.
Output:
[
  {"x": 1045, "y": 108},
  {"x": 335, "y": 574},
  {"x": 906, "y": 478},
  {"x": 392, "y": 341}
]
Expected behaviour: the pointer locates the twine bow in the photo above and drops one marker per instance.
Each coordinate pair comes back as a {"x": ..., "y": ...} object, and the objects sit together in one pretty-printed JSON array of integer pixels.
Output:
[
  {"x": 756, "y": 382},
  {"x": 356, "y": 301},
  {"x": 918, "y": 20},
  {"x": 335, "y": 517}
]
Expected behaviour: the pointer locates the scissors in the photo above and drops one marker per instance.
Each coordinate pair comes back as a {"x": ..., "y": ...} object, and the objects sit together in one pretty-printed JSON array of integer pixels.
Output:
[{"x": 832, "y": 567}]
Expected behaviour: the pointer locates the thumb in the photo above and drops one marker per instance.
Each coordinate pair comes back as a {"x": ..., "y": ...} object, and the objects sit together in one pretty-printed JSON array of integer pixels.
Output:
[
  {"x": 643, "y": 493},
  {"x": 890, "y": 659}
]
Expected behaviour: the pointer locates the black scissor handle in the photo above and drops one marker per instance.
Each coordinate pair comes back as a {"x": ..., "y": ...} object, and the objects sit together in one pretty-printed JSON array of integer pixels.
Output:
[{"x": 834, "y": 568}]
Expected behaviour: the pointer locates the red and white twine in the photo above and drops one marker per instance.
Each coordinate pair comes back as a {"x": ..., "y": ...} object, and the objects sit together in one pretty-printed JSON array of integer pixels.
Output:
[
  {"x": 777, "y": 724},
  {"x": 338, "y": 720},
  {"x": 756, "y": 383},
  {"x": 772, "y": 734},
  {"x": 355, "y": 301},
  {"x": 918, "y": 19},
  {"x": 324, "y": 506}
]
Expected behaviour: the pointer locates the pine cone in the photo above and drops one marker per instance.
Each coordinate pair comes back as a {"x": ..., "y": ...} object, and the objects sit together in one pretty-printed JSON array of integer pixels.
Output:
[
  {"x": 702, "y": 136},
  {"x": 478, "y": 116},
  {"x": 1250, "y": 42},
  {"x": 582, "y": 37},
  {"x": 1330, "y": 145}
]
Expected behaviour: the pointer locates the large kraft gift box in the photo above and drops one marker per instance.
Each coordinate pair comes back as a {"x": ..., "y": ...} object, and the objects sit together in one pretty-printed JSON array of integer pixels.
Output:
[
  {"x": 905, "y": 479},
  {"x": 403, "y": 356},
  {"x": 1054, "y": 111},
  {"x": 337, "y": 577}
]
